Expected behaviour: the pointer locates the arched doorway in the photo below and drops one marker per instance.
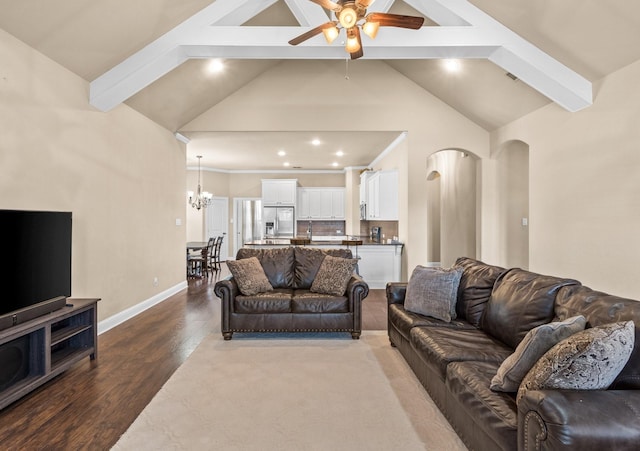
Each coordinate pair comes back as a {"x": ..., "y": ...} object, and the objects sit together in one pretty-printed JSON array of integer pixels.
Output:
[
  {"x": 451, "y": 197},
  {"x": 513, "y": 196}
]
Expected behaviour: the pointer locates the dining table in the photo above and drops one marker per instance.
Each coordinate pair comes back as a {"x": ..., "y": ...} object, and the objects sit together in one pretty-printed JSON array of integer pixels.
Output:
[{"x": 193, "y": 246}]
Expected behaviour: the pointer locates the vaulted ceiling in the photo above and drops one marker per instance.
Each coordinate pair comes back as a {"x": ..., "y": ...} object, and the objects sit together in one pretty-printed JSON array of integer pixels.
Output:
[{"x": 153, "y": 56}]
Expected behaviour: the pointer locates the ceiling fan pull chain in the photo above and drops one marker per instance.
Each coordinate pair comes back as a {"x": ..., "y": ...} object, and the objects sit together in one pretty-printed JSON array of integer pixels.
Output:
[{"x": 346, "y": 69}]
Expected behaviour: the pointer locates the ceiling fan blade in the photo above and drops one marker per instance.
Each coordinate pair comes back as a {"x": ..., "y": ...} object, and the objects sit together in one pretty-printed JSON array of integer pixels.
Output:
[
  {"x": 365, "y": 3},
  {"x": 360, "y": 52},
  {"x": 396, "y": 20},
  {"x": 328, "y": 4},
  {"x": 311, "y": 33}
]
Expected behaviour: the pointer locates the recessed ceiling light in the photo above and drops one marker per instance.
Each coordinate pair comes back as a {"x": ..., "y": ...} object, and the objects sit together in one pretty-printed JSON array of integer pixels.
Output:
[
  {"x": 339, "y": 153},
  {"x": 282, "y": 153},
  {"x": 452, "y": 65},
  {"x": 315, "y": 142},
  {"x": 215, "y": 66},
  {"x": 334, "y": 164},
  {"x": 286, "y": 163}
]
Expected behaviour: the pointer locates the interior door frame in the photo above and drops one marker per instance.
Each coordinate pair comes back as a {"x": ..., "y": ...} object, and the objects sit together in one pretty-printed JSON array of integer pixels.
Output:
[{"x": 222, "y": 212}]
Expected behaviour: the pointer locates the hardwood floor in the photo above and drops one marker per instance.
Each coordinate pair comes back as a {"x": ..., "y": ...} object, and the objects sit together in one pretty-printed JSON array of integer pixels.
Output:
[{"x": 92, "y": 405}]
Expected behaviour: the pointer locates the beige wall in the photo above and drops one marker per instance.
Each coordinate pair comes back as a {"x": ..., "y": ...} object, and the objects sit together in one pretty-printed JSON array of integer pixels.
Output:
[
  {"x": 585, "y": 185},
  {"x": 120, "y": 174},
  {"x": 384, "y": 101}
]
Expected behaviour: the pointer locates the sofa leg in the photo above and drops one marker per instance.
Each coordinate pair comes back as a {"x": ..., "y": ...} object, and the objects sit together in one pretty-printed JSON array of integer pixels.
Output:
[
  {"x": 355, "y": 335},
  {"x": 227, "y": 335}
]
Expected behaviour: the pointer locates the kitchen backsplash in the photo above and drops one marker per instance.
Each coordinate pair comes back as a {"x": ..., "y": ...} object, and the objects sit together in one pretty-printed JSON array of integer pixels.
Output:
[
  {"x": 321, "y": 228},
  {"x": 389, "y": 228}
]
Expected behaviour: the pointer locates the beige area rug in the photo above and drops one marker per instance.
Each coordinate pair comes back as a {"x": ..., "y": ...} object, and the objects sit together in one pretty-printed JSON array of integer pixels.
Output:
[{"x": 292, "y": 392}]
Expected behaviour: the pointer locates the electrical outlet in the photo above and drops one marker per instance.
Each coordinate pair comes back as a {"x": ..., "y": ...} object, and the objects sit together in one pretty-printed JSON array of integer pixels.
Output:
[{"x": 155, "y": 281}]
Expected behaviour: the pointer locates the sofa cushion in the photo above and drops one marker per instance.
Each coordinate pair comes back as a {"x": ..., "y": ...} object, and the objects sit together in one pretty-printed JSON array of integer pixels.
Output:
[
  {"x": 249, "y": 276},
  {"x": 334, "y": 275},
  {"x": 305, "y": 301},
  {"x": 276, "y": 301},
  {"x": 433, "y": 292},
  {"x": 588, "y": 360},
  {"x": 496, "y": 414},
  {"x": 439, "y": 346},
  {"x": 308, "y": 261},
  {"x": 404, "y": 320},
  {"x": 537, "y": 341},
  {"x": 278, "y": 264},
  {"x": 601, "y": 308},
  {"x": 520, "y": 301},
  {"x": 475, "y": 288}
]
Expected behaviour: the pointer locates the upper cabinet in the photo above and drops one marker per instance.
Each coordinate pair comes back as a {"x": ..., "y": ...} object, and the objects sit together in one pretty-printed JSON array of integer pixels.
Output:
[
  {"x": 276, "y": 192},
  {"x": 321, "y": 203},
  {"x": 382, "y": 196}
]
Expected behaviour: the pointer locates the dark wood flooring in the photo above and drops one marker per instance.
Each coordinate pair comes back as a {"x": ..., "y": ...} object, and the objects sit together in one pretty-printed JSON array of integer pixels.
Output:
[{"x": 92, "y": 405}]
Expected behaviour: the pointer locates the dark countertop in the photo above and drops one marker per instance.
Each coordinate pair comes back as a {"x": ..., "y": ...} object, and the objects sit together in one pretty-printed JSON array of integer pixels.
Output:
[{"x": 320, "y": 242}]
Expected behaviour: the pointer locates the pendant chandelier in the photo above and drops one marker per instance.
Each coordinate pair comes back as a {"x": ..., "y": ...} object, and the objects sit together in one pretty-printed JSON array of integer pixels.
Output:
[{"x": 202, "y": 199}]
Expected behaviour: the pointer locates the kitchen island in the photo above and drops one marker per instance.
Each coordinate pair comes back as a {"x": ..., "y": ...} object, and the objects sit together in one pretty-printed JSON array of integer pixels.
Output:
[{"x": 379, "y": 262}]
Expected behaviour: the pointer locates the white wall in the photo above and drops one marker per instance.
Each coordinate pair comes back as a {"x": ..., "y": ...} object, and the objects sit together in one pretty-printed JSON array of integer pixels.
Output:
[
  {"x": 585, "y": 186},
  {"x": 120, "y": 174}
]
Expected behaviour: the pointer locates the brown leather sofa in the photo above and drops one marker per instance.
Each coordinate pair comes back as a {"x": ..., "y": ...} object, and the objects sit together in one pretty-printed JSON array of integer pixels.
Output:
[
  {"x": 291, "y": 306},
  {"x": 455, "y": 362}
]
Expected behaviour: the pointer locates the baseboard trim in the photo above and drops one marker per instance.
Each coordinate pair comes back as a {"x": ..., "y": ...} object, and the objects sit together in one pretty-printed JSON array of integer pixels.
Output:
[{"x": 129, "y": 313}]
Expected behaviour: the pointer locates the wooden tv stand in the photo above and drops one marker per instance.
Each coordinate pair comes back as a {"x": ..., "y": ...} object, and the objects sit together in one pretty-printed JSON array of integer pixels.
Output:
[{"x": 47, "y": 346}]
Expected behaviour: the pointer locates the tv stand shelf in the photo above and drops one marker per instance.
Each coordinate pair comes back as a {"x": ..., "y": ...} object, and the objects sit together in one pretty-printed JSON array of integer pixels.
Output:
[{"x": 34, "y": 352}]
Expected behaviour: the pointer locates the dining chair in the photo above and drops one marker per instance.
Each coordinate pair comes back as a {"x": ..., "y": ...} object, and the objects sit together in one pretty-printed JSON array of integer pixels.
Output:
[
  {"x": 215, "y": 254},
  {"x": 198, "y": 263}
]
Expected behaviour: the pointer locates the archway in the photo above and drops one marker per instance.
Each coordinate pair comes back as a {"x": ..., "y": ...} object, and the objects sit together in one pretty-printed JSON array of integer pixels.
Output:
[
  {"x": 452, "y": 196},
  {"x": 513, "y": 203}
]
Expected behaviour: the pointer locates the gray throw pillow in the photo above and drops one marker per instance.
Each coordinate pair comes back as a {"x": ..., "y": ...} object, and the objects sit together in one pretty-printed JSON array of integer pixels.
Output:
[
  {"x": 537, "y": 341},
  {"x": 433, "y": 292},
  {"x": 249, "y": 276},
  {"x": 334, "y": 275},
  {"x": 588, "y": 360}
]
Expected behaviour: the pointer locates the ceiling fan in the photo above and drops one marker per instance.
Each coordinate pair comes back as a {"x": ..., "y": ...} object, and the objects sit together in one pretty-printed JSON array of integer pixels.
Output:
[{"x": 352, "y": 15}]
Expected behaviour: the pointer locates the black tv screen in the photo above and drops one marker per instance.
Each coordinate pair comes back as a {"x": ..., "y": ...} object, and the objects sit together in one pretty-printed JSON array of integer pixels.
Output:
[{"x": 35, "y": 258}]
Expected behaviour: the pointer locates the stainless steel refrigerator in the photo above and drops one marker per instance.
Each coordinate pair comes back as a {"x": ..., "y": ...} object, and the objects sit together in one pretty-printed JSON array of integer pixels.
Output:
[
  {"x": 252, "y": 229},
  {"x": 279, "y": 222}
]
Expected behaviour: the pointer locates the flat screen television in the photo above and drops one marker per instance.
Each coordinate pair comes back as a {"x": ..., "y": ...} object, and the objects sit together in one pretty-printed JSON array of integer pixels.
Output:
[{"x": 35, "y": 264}]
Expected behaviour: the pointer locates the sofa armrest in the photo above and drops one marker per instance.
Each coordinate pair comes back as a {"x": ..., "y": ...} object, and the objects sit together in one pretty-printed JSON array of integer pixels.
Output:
[
  {"x": 579, "y": 419},
  {"x": 396, "y": 291},
  {"x": 357, "y": 288},
  {"x": 226, "y": 289}
]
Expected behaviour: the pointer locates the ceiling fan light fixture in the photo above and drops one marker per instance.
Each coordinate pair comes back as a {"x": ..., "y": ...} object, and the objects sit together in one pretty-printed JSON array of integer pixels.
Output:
[
  {"x": 348, "y": 17},
  {"x": 371, "y": 29},
  {"x": 330, "y": 34},
  {"x": 352, "y": 44}
]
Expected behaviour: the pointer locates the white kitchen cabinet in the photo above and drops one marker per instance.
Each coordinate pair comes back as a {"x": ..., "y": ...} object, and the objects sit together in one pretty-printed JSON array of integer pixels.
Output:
[
  {"x": 277, "y": 192},
  {"x": 321, "y": 203},
  {"x": 382, "y": 196}
]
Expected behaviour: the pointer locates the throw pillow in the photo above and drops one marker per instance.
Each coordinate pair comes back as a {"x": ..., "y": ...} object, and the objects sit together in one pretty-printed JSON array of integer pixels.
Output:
[
  {"x": 433, "y": 292},
  {"x": 588, "y": 360},
  {"x": 334, "y": 275},
  {"x": 537, "y": 341},
  {"x": 249, "y": 276}
]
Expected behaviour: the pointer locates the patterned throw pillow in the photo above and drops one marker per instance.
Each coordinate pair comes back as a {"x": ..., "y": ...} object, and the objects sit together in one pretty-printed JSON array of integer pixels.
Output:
[
  {"x": 537, "y": 341},
  {"x": 433, "y": 292},
  {"x": 588, "y": 360},
  {"x": 249, "y": 276},
  {"x": 334, "y": 275}
]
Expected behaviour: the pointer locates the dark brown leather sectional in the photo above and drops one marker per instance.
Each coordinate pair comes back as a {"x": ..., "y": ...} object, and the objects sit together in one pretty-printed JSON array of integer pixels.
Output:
[
  {"x": 291, "y": 306},
  {"x": 495, "y": 308}
]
